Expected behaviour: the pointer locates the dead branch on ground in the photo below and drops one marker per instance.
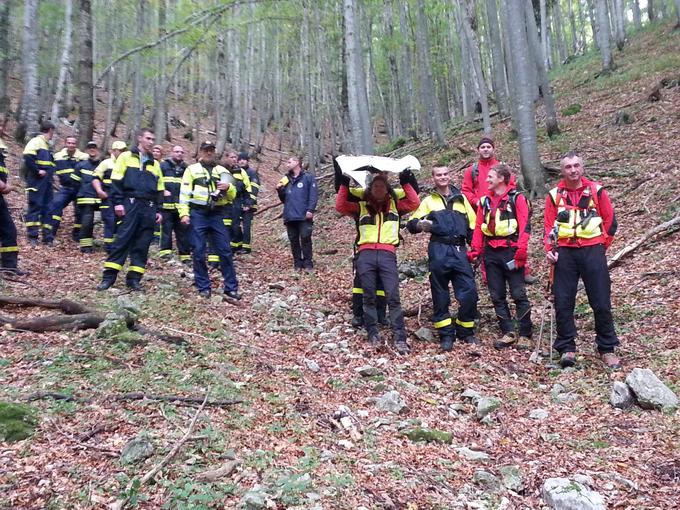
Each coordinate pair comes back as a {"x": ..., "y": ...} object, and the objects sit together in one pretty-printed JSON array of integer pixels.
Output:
[{"x": 624, "y": 252}]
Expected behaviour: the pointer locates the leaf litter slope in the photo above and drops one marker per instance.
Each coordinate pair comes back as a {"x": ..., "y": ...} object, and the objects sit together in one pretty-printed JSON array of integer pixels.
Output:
[{"x": 287, "y": 426}]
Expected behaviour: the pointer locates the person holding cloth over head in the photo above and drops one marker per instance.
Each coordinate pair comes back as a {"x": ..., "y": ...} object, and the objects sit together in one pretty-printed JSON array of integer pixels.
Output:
[{"x": 502, "y": 235}]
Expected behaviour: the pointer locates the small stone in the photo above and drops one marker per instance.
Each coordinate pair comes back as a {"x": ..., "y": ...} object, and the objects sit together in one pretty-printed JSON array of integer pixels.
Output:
[
  {"x": 254, "y": 499},
  {"x": 392, "y": 402},
  {"x": 487, "y": 405},
  {"x": 425, "y": 334},
  {"x": 471, "y": 394},
  {"x": 427, "y": 435},
  {"x": 621, "y": 397},
  {"x": 439, "y": 357},
  {"x": 539, "y": 414},
  {"x": 329, "y": 347},
  {"x": 565, "y": 494},
  {"x": 474, "y": 455},
  {"x": 347, "y": 445},
  {"x": 488, "y": 481},
  {"x": 128, "y": 305},
  {"x": 312, "y": 365},
  {"x": 512, "y": 478},
  {"x": 367, "y": 371},
  {"x": 650, "y": 392},
  {"x": 138, "y": 449}
]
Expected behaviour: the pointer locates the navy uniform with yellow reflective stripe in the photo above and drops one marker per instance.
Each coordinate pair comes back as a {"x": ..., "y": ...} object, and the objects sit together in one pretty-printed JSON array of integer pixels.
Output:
[
  {"x": 206, "y": 206},
  {"x": 103, "y": 174},
  {"x": 136, "y": 188},
  {"x": 87, "y": 201},
  {"x": 8, "y": 231},
  {"x": 172, "y": 176},
  {"x": 65, "y": 165},
  {"x": 453, "y": 221},
  {"x": 242, "y": 200},
  {"x": 39, "y": 165},
  {"x": 249, "y": 212}
]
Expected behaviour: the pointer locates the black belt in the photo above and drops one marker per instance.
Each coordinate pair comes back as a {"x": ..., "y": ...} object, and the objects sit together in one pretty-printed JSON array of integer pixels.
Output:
[
  {"x": 452, "y": 240},
  {"x": 143, "y": 201}
]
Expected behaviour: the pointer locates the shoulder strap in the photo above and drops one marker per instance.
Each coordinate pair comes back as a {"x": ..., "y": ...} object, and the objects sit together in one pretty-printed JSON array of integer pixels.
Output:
[{"x": 475, "y": 172}]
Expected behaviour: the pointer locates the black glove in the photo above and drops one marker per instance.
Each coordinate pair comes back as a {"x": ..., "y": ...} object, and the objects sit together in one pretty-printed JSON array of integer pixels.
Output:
[
  {"x": 337, "y": 176},
  {"x": 414, "y": 183},
  {"x": 405, "y": 176}
]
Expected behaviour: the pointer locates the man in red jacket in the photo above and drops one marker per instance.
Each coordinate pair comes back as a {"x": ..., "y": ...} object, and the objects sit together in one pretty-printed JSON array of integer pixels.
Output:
[
  {"x": 474, "y": 179},
  {"x": 579, "y": 226},
  {"x": 502, "y": 234}
]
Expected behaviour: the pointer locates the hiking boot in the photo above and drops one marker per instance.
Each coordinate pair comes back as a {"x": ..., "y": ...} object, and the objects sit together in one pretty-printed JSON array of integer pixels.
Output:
[
  {"x": 134, "y": 285},
  {"x": 401, "y": 347},
  {"x": 357, "y": 321},
  {"x": 87, "y": 250},
  {"x": 375, "y": 341},
  {"x": 205, "y": 294},
  {"x": 104, "y": 285},
  {"x": 568, "y": 359},
  {"x": 13, "y": 271},
  {"x": 530, "y": 279},
  {"x": 524, "y": 340},
  {"x": 508, "y": 340},
  {"x": 446, "y": 343},
  {"x": 471, "y": 340},
  {"x": 232, "y": 294},
  {"x": 33, "y": 241},
  {"x": 611, "y": 360},
  {"x": 49, "y": 244}
]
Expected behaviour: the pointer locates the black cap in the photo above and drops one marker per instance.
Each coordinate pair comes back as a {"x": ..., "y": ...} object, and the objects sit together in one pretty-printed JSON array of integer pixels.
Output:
[
  {"x": 486, "y": 139},
  {"x": 207, "y": 146},
  {"x": 244, "y": 155},
  {"x": 91, "y": 144}
]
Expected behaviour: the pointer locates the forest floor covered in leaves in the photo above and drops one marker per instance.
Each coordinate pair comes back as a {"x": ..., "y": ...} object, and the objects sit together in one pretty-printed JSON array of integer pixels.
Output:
[{"x": 288, "y": 351}]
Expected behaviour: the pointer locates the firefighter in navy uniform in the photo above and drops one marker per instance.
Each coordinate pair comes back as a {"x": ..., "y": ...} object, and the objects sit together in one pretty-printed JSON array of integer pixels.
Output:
[
  {"x": 248, "y": 211},
  {"x": 102, "y": 186},
  {"x": 88, "y": 200},
  {"x": 579, "y": 219},
  {"x": 450, "y": 219},
  {"x": 65, "y": 162},
  {"x": 39, "y": 165},
  {"x": 9, "y": 250},
  {"x": 242, "y": 200},
  {"x": 204, "y": 197},
  {"x": 502, "y": 234},
  {"x": 137, "y": 194},
  {"x": 173, "y": 170}
]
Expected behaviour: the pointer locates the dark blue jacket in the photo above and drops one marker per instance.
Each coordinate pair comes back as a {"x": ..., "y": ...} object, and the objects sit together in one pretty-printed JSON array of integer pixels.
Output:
[{"x": 299, "y": 195}]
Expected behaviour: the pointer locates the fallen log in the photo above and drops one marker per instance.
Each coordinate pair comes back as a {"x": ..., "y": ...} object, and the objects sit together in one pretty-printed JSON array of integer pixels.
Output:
[
  {"x": 627, "y": 250},
  {"x": 65, "y": 305},
  {"x": 55, "y": 322},
  {"x": 176, "y": 398}
]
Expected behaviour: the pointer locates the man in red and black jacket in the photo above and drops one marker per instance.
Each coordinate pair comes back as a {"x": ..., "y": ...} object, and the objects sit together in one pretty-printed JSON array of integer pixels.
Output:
[
  {"x": 579, "y": 226},
  {"x": 474, "y": 184},
  {"x": 502, "y": 233}
]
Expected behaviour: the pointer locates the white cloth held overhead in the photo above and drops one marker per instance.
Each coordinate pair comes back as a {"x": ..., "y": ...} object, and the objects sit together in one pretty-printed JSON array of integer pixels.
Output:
[{"x": 350, "y": 165}]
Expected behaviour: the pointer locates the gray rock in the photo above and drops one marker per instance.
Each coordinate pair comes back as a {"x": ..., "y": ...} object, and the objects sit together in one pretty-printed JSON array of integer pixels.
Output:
[
  {"x": 392, "y": 402},
  {"x": 112, "y": 326},
  {"x": 474, "y": 455},
  {"x": 439, "y": 357},
  {"x": 254, "y": 499},
  {"x": 425, "y": 334},
  {"x": 128, "y": 305},
  {"x": 621, "y": 396},
  {"x": 561, "y": 394},
  {"x": 649, "y": 391},
  {"x": 367, "y": 371},
  {"x": 312, "y": 365},
  {"x": 539, "y": 414},
  {"x": 329, "y": 347},
  {"x": 138, "y": 449},
  {"x": 512, "y": 478},
  {"x": 488, "y": 481},
  {"x": 486, "y": 406},
  {"x": 565, "y": 494},
  {"x": 471, "y": 394}
]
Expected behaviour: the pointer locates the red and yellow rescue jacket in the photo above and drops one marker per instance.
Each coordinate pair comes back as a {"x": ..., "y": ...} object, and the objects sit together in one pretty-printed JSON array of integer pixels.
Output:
[{"x": 502, "y": 221}]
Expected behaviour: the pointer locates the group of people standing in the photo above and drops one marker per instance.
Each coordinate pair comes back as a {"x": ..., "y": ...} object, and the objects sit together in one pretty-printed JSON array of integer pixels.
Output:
[
  {"x": 485, "y": 224},
  {"x": 137, "y": 193}
]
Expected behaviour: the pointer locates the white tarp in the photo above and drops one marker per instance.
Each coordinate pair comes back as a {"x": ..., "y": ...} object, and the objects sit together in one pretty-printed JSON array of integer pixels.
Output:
[{"x": 350, "y": 165}]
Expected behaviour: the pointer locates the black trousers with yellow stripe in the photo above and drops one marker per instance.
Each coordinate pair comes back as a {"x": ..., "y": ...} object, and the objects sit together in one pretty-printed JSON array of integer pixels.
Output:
[
  {"x": 8, "y": 237},
  {"x": 358, "y": 297},
  {"x": 133, "y": 237},
  {"x": 64, "y": 196},
  {"x": 171, "y": 223},
  {"x": 449, "y": 265},
  {"x": 39, "y": 196}
]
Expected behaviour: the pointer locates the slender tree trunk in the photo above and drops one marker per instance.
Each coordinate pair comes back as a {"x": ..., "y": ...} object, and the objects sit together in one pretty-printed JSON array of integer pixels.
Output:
[
  {"x": 28, "y": 121},
  {"x": 5, "y": 60},
  {"x": 406, "y": 62},
  {"x": 595, "y": 27},
  {"x": 551, "y": 125},
  {"x": 221, "y": 127},
  {"x": 305, "y": 69},
  {"x": 559, "y": 31},
  {"x": 651, "y": 12},
  {"x": 572, "y": 28},
  {"x": 469, "y": 20},
  {"x": 398, "y": 105},
  {"x": 603, "y": 32},
  {"x": 65, "y": 63},
  {"x": 677, "y": 14},
  {"x": 85, "y": 79},
  {"x": 619, "y": 23},
  {"x": 160, "y": 120},
  {"x": 532, "y": 169},
  {"x": 637, "y": 14},
  {"x": 544, "y": 32},
  {"x": 138, "y": 83},
  {"x": 356, "y": 83},
  {"x": 500, "y": 82}
]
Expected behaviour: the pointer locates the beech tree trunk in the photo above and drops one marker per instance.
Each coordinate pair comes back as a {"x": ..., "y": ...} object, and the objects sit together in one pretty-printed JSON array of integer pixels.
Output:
[
  {"x": 85, "y": 79},
  {"x": 637, "y": 14},
  {"x": 160, "y": 120},
  {"x": 677, "y": 13},
  {"x": 544, "y": 32},
  {"x": 65, "y": 63},
  {"x": 532, "y": 169},
  {"x": 603, "y": 35},
  {"x": 619, "y": 23},
  {"x": 362, "y": 134},
  {"x": 499, "y": 79},
  {"x": 5, "y": 60},
  {"x": 651, "y": 12},
  {"x": 28, "y": 120}
]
